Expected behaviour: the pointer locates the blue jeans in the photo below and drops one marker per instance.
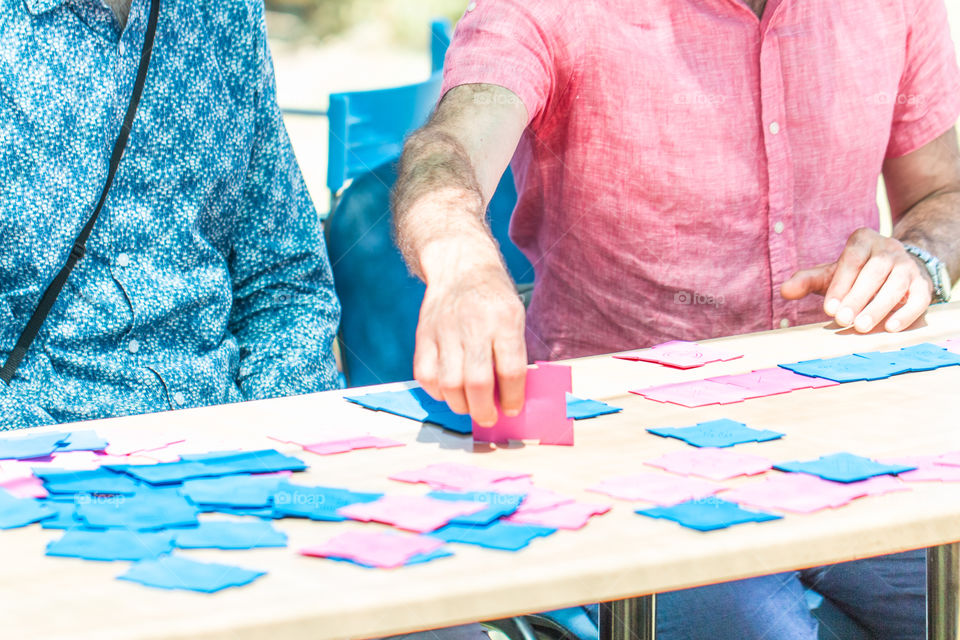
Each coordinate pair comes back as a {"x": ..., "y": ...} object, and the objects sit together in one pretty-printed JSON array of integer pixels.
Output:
[{"x": 886, "y": 595}]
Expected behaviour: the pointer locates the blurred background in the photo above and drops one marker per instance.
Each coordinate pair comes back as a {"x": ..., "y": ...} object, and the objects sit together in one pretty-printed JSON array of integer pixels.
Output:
[{"x": 326, "y": 46}]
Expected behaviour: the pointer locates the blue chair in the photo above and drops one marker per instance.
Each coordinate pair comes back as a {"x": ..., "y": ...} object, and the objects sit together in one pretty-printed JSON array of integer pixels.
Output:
[{"x": 440, "y": 31}]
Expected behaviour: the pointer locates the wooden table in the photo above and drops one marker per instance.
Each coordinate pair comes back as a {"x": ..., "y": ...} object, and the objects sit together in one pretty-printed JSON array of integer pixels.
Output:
[{"x": 615, "y": 558}]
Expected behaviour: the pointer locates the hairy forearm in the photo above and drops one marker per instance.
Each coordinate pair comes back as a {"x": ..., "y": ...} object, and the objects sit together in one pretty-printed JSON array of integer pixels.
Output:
[
  {"x": 438, "y": 200},
  {"x": 933, "y": 224}
]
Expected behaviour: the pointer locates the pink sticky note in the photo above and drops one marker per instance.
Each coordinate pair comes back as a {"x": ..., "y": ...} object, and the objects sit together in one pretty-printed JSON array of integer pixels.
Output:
[
  {"x": 573, "y": 515},
  {"x": 349, "y": 444},
  {"x": 413, "y": 513},
  {"x": 951, "y": 459},
  {"x": 879, "y": 485},
  {"x": 697, "y": 393},
  {"x": 542, "y": 499},
  {"x": 453, "y": 476},
  {"x": 544, "y": 415},
  {"x": 928, "y": 469},
  {"x": 950, "y": 344},
  {"x": 708, "y": 462},
  {"x": 658, "y": 488},
  {"x": 376, "y": 548},
  {"x": 680, "y": 354},
  {"x": 25, "y": 487},
  {"x": 773, "y": 381},
  {"x": 796, "y": 492}
]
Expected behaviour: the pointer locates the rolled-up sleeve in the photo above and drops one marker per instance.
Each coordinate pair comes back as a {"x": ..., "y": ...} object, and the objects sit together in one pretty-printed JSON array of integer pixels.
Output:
[
  {"x": 928, "y": 99},
  {"x": 285, "y": 311}
]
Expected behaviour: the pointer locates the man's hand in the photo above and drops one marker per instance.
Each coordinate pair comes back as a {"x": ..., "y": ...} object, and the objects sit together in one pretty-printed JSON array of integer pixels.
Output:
[
  {"x": 874, "y": 278},
  {"x": 470, "y": 336}
]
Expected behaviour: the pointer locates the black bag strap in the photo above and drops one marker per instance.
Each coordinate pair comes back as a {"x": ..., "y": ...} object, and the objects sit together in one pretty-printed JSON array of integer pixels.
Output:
[{"x": 79, "y": 245}]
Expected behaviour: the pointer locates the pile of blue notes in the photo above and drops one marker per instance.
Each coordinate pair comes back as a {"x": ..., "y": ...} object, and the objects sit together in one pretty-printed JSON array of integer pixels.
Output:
[{"x": 877, "y": 365}]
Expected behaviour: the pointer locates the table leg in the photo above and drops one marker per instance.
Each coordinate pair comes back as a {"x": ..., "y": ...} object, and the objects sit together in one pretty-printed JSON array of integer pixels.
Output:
[
  {"x": 629, "y": 619},
  {"x": 943, "y": 590}
]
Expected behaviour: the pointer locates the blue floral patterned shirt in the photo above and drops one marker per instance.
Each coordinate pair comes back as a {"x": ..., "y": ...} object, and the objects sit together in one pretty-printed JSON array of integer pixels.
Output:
[{"x": 206, "y": 278}]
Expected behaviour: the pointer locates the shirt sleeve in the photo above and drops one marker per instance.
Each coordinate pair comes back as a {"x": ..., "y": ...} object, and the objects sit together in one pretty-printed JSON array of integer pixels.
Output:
[
  {"x": 285, "y": 311},
  {"x": 509, "y": 43},
  {"x": 928, "y": 100}
]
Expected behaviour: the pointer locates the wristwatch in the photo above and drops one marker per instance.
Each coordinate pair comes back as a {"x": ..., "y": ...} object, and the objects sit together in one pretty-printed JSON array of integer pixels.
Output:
[{"x": 937, "y": 270}]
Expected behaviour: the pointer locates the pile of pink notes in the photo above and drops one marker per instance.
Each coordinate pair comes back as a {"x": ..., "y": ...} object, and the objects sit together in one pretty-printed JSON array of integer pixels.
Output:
[{"x": 680, "y": 354}]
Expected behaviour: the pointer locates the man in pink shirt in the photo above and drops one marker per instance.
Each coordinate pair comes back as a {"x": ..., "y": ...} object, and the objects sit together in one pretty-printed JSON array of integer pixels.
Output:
[{"x": 686, "y": 169}]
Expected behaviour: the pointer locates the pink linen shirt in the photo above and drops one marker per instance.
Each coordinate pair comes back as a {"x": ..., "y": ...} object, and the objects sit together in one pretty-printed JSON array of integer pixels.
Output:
[{"x": 683, "y": 158}]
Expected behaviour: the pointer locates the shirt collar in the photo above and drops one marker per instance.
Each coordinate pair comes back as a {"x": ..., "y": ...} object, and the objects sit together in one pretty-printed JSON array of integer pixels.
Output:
[{"x": 37, "y": 7}]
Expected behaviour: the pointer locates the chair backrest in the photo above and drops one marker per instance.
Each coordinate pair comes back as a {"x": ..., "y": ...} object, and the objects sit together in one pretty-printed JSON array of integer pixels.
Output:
[
  {"x": 440, "y": 35},
  {"x": 380, "y": 300}
]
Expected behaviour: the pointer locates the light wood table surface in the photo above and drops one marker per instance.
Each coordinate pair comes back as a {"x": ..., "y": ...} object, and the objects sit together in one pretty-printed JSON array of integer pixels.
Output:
[{"x": 617, "y": 556}]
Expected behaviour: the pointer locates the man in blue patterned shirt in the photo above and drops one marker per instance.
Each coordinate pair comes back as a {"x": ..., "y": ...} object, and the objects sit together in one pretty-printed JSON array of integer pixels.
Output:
[{"x": 206, "y": 278}]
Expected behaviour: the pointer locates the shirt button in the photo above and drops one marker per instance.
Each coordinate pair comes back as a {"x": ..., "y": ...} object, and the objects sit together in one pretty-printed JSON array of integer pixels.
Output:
[
  {"x": 133, "y": 346},
  {"x": 471, "y": 6},
  {"x": 121, "y": 49},
  {"x": 774, "y": 127},
  {"x": 778, "y": 227},
  {"x": 123, "y": 260},
  {"x": 784, "y": 323},
  {"x": 179, "y": 398}
]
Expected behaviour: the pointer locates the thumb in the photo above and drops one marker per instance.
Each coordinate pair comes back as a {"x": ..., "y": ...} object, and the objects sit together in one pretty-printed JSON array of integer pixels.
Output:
[{"x": 807, "y": 281}]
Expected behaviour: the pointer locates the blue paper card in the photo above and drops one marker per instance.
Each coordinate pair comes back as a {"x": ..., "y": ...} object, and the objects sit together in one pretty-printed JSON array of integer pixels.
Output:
[
  {"x": 265, "y": 513},
  {"x": 420, "y": 558},
  {"x": 843, "y": 467},
  {"x": 19, "y": 512},
  {"x": 65, "y": 516},
  {"x": 316, "y": 503},
  {"x": 415, "y": 404},
  {"x": 86, "y": 440},
  {"x": 717, "y": 433},
  {"x": 852, "y": 368},
  {"x": 174, "y": 572},
  {"x": 86, "y": 481},
  {"x": 707, "y": 514},
  {"x": 213, "y": 465},
  {"x": 141, "y": 512},
  {"x": 501, "y": 535},
  {"x": 111, "y": 544},
  {"x": 499, "y": 505},
  {"x": 30, "y": 446},
  {"x": 583, "y": 409},
  {"x": 244, "y": 491},
  {"x": 231, "y": 534},
  {"x": 926, "y": 357}
]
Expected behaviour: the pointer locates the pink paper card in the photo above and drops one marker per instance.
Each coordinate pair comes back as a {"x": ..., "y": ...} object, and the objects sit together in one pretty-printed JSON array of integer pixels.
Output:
[
  {"x": 928, "y": 469},
  {"x": 680, "y": 354},
  {"x": 573, "y": 515},
  {"x": 413, "y": 513},
  {"x": 24, "y": 487},
  {"x": 708, "y": 462},
  {"x": 453, "y": 476},
  {"x": 541, "y": 500},
  {"x": 544, "y": 415},
  {"x": 950, "y": 344},
  {"x": 796, "y": 492},
  {"x": 376, "y": 548},
  {"x": 880, "y": 485},
  {"x": 951, "y": 459},
  {"x": 351, "y": 444},
  {"x": 773, "y": 381},
  {"x": 659, "y": 488},
  {"x": 697, "y": 393}
]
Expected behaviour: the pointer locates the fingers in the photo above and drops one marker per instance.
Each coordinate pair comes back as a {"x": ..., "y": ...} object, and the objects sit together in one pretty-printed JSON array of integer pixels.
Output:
[
  {"x": 890, "y": 295},
  {"x": 450, "y": 355},
  {"x": 868, "y": 283},
  {"x": 848, "y": 268},
  {"x": 807, "y": 281},
  {"x": 510, "y": 358},
  {"x": 919, "y": 296},
  {"x": 426, "y": 365},
  {"x": 478, "y": 383}
]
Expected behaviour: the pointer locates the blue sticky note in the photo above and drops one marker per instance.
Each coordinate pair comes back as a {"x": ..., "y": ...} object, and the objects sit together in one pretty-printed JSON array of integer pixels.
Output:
[
  {"x": 164, "y": 472},
  {"x": 99, "y": 480},
  {"x": 213, "y": 465},
  {"x": 420, "y": 558},
  {"x": 717, "y": 433},
  {"x": 852, "y": 368},
  {"x": 316, "y": 503},
  {"x": 64, "y": 515},
  {"x": 415, "y": 404},
  {"x": 25, "y": 447},
  {"x": 86, "y": 440},
  {"x": 707, "y": 514},
  {"x": 582, "y": 409},
  {"x": 926, "y": 357},
  {"x": 174, "y": 572},
  {"x": 843, "y": 467},
  {"x": 231, "y": 534},
  {"x": 111, "y": 544},
  {"x": 496, "y": 535},
  {"x": 143, "y": 511},
  {"x": 265, "y": 513},
  {"x": 19, "y": 512},
  {"x": 499, "y": 505},
  {"x": 243, "y": 491}
]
